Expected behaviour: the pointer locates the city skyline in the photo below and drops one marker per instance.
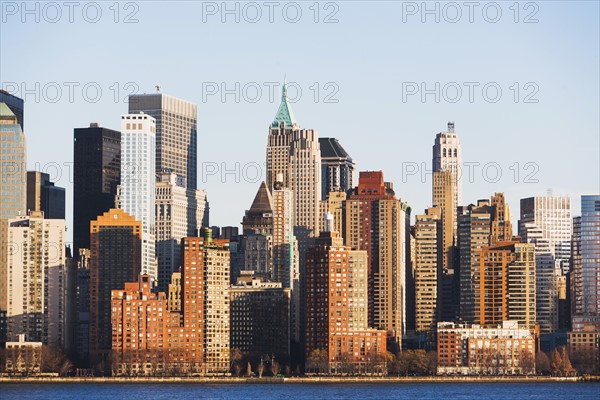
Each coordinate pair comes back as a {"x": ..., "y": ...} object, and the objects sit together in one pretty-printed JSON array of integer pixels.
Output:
[
  {"x": 349, "y": 189},
  {"x": 476, "y": 123}
]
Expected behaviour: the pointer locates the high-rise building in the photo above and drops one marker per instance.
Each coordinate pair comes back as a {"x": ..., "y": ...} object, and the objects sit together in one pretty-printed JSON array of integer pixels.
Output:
[
  {"x": 37, "y": 279},
  {"x": 575, "y": 276},
  {"x": 473, "y": 235},
  {"x": 115, "y": 258},
  {"x": 546, "y": 222},
  {"x": 336, "y": 309},
  {"x": 176, "y": 133},
  {"x": 376, "y": 221},
  {"x": 260, "y": 318},
  {"x": 83, "y": 307},
  {"x": 293, "y": 155},
  {"x": 96, "y": 175},
  {"x": 278, "y": 144},
  {"x": 443, "y": 197},
  {"x": 305, "y": 178},
  {"x": 286, "y": 260},
  {"x": 180, "y": 212},
  {"x": 43, "y": 195},
  {"x": 138, "y": 181},
  {"x": 428, "y": 269},
  {"x": 484, "y": 224},
  {"x": 505, "y": 283},
  {"x": 16, "y": 105},
  {"x": 337, "y": 168},
  {"x": 205, "y": 300},
  {"x": 447, "y": 156},
  {"x": 588, "y": 249},
  {"x": 13, "y": 170}
]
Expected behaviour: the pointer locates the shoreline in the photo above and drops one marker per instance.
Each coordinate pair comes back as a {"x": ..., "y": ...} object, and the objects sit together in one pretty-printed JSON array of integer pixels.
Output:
[{"x": 297, "y": 380}]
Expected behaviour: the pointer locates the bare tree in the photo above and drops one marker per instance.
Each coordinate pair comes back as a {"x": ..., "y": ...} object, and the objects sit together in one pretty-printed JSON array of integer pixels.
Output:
[
  {"x": 261, "y": 368},
  {"x": 542, "y": 363},
  {"x": 275, "y": 367},
  {"x": 249, "y": 369}
]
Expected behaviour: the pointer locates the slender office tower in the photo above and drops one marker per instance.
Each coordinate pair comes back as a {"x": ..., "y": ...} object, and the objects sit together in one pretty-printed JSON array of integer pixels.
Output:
[
  {"x": 447, "y": 156},
  {"x": 176, "y": 133},
  {"x": 546, "y": 222},
  {"x": 295, "y": 155},
  {"x": 12, "y": 190},
  {"x": 96, "y": 175},
  {"x": 138, "y": 181},
  {"x": 447, "y": 194}
]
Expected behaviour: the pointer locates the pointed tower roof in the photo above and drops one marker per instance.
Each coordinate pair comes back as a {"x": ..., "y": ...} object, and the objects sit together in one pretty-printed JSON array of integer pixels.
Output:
[
  {"x": 263, "y": 202},
  {"x": 284, "y": 114},
  {"x": 6, "y": 114}
]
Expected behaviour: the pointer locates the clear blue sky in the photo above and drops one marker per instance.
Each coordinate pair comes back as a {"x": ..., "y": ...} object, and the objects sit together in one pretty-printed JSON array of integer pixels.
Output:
[{"x": 372, "y": 52}]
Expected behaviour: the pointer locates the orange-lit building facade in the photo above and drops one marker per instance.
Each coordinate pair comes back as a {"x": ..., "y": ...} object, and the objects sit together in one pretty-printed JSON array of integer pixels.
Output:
[
  {"x": 376, "y": 221},
  {"x": 115, "y": 258},
  {"x": 336, "y": 298},
  {"x": 149, "y": 337}
]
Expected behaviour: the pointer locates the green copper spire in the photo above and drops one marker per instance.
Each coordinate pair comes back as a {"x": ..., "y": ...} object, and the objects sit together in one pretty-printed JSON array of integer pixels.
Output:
[{"x": 284, "y": 114}]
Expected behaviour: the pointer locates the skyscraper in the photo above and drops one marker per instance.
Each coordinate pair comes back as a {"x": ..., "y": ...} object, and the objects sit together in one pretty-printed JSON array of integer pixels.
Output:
[
  {"x": 484, "y": 224},
  {"x": 375, "y": 221},
  {"x": 176, "y": 133},
  {"x": 115, "y": 258},
  {"x": 428, "y": 269},
  {"x": 12, "y": 192},
  {"x": 138, "y": 181},
  {"x": 546, "y": 222},
  {"x": 337, "y": 167},
  {"x": 205, "y": 300},
  {"x": 278, "y": 144},
  {"x": 37, "y": 279},
  {"x": 447, "y": 156},
  {"x": 96, "y": 175},
  {"x": 294, "y": 154},
  {"x": 43, "y": 195},
  {"x": 505, "y": 282},
  {"x": 588, "y": 247},
  {"x": 180, "y": 212},
  {"x": 13, "y": 169},
  {"x": 473, "y": 235},
  {"x": 444, "y": 197}
]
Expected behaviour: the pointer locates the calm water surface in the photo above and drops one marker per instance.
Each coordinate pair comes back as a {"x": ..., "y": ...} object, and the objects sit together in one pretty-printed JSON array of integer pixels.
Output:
[{"x": 492, "y": 391}]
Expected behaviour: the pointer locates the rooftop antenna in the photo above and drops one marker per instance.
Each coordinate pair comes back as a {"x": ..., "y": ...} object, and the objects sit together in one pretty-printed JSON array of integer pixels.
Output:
[
  {"x": 158, "y": 88},
  {"x": 549, "y": 192}
]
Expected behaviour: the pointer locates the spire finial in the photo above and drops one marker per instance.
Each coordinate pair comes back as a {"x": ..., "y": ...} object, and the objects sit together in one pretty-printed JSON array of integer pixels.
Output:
[{"x": 284, "y": 90}]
